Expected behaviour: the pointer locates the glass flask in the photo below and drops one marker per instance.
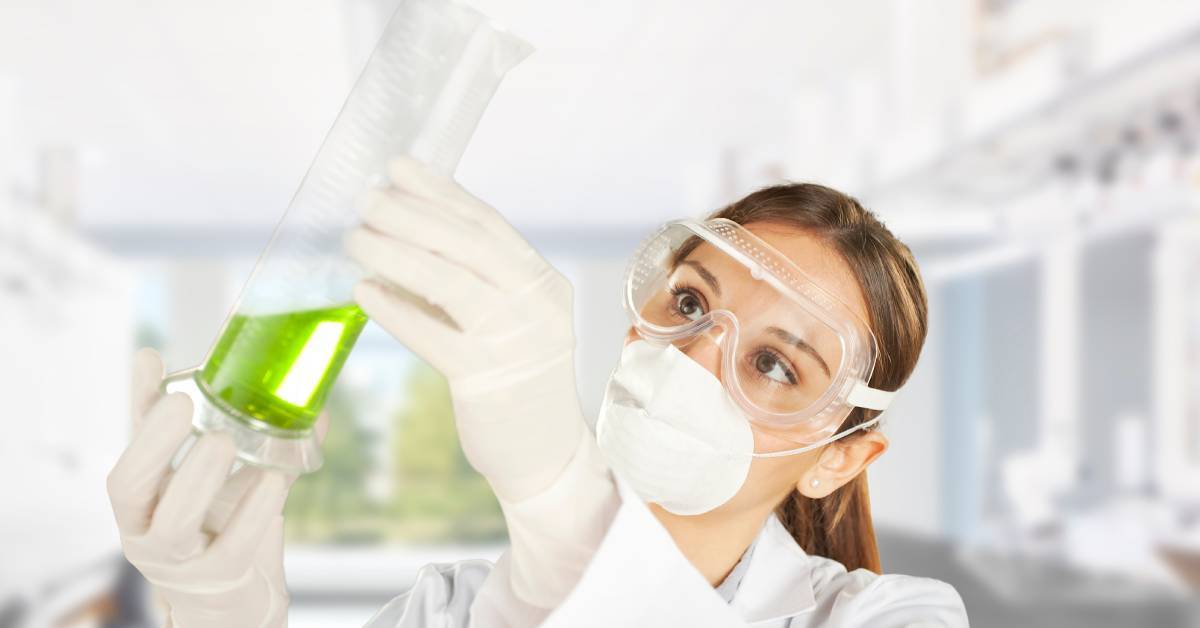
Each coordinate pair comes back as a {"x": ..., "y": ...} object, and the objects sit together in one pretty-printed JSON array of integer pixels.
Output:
[{"x": 268, "y": 373}]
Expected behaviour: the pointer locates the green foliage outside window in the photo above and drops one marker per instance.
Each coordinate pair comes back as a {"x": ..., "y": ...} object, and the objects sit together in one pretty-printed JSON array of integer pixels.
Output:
[{"x": 435, "y": 497}]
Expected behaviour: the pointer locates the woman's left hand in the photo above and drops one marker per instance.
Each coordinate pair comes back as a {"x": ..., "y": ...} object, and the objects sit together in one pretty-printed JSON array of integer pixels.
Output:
[
  {"x": 456, "y": 284},
  {"x": 465, "y": 292}
]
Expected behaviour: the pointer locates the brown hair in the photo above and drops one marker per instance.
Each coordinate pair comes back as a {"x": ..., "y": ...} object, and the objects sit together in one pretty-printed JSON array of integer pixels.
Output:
[{"x": 839, "y": 525}]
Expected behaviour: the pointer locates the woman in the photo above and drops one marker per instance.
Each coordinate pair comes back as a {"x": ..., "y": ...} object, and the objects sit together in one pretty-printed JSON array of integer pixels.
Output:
[{"x": 765, "y": 341}]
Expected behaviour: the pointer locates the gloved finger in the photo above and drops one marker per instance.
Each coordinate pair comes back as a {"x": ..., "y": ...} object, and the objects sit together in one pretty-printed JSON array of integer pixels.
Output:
[
  {"x": 180, "y": 511},
  {"x": 250, "y": 522},
  {"x": 505, "y": 259},
  {"x": 415, "y": 177},
  {"x": 381, "y": 201},
  {"x": 242, "y": 480},
  {"x": 450, "y": 202},
  {"x": 147, "y": 377},
  {"x": 430, "y": 339},
  {"x": 134, "y": 482},
  {"x": 457, "y": 290},
  {"x": 269, "y": 553},
  {"x": 229, "y": 497},
  {"x": 432, "y": 225}
]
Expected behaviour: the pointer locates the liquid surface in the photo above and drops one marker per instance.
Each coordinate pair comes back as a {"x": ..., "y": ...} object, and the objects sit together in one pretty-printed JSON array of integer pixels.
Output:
[{"x": 278, "y": 368}]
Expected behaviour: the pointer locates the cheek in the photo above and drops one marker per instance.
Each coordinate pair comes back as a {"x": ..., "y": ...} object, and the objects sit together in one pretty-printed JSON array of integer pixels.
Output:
[
  {"x": 769, "y": 440},
  {"x": 770, "y": 477}
]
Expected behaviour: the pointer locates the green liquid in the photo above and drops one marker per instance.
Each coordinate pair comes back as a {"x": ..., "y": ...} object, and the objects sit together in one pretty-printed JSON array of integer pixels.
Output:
[{"x": 278, "y": 368}]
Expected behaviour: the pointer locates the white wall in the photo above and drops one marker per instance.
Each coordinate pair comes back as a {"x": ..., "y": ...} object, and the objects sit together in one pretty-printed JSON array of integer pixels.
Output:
[{"x": 186, "y": 113}]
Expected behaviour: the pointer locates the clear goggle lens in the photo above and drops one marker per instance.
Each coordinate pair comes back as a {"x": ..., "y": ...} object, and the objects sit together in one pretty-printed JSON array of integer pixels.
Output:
[{"x": 787, "y": 352}]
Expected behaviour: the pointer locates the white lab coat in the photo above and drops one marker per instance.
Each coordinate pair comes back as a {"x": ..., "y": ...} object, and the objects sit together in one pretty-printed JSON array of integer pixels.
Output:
[{"x": 638, "y": 577}]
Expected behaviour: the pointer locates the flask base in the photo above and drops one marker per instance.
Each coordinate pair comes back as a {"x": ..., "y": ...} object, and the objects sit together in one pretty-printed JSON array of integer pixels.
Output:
[{"x": 258, "y": 444}]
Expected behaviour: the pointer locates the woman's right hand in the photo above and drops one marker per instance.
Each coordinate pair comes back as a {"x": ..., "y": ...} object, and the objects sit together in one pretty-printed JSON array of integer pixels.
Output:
[
  {"x": 209, "y": 542},
  {"x": 464, "y": 291}
]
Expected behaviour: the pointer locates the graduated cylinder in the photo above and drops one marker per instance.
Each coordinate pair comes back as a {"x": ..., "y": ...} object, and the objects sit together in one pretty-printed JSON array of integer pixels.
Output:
[{"x": 270, "y": 370}]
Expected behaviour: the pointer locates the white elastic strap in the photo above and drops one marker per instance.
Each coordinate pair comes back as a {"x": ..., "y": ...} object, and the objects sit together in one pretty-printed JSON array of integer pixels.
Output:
[
  {"x": 820, "y": 443},
  {"x": 863, "y": 396}
]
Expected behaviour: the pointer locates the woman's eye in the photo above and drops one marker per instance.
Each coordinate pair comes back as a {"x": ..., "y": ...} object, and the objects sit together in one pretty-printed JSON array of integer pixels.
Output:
[
  {"x": 688, "y": 305},
  {"x": 771, "y": 366}
]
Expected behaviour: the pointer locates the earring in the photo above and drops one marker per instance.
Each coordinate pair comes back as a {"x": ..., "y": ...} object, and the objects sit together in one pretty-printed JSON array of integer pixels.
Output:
[{"x": 814, "y": 483}]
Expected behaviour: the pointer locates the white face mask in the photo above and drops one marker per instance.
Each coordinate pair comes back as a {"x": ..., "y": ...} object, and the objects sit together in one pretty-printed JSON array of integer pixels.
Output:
[{"x": 668, "y": 427}]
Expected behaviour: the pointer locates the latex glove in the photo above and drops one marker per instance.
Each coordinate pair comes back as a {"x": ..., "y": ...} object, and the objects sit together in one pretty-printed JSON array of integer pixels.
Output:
[
  {"x": 464, "y": 291},
  {"x": 469, "y": 296},
  {"x": 210, "y": 543}
]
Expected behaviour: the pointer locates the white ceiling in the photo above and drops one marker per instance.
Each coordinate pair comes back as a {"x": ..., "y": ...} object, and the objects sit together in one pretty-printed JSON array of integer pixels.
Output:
[
  {"x": 626, "y": 111},
  {"x": 629, "y": 112},
  {"x": 208, "y": 113}
]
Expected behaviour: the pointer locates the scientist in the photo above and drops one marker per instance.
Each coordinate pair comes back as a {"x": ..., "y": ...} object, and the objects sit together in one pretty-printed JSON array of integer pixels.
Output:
[{"x": 725, "y": 482}]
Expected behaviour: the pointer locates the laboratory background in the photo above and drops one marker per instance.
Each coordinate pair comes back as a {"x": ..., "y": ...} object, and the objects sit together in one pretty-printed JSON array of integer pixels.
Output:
[{"x": 1042, "y": 159}]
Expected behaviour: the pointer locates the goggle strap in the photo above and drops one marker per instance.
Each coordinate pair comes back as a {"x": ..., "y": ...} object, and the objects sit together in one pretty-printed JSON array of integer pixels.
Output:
[
  {"x": 863, "y": 396},
  {"x": 821, "y": 443}
]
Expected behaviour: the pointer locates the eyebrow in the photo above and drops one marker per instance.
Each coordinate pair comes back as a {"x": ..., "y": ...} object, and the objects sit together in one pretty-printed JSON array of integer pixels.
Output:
[
  {"x": 704, "y": 274},
  {"x": 799, "y": 343}
]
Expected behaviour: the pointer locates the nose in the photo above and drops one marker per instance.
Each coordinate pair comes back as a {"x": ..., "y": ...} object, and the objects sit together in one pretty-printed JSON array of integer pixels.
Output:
[{"x": 705, "y": 350}]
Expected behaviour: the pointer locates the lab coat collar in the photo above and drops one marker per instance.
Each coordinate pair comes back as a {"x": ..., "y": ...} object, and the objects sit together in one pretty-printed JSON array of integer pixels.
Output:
[{"x": 777, "y": 583}]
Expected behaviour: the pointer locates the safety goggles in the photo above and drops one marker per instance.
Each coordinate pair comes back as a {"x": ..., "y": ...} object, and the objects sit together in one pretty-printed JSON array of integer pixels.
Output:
[{"x": 791, "y": 355}]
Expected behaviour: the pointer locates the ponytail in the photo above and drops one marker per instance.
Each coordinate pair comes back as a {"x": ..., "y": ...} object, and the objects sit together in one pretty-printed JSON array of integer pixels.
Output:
[{"x": 837, "y": 526}]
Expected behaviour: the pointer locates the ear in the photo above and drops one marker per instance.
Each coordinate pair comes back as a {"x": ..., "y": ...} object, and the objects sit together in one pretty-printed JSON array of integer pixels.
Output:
[{"x": 841, "y": 462}]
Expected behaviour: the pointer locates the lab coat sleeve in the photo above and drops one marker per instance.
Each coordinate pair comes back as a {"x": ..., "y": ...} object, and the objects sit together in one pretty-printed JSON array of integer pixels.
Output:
[
  {"x": 863, "y": 598},
  {"x": 554, "y": 534},
  {"x": 441, "y": 595}
]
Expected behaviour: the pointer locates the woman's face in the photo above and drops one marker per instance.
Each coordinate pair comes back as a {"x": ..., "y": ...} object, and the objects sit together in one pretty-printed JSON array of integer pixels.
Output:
[{"x": 772, "y": 479}]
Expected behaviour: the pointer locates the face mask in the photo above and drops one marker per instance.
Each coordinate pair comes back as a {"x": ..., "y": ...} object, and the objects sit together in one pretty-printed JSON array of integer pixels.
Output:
[{"x": 668, "y": 428}]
